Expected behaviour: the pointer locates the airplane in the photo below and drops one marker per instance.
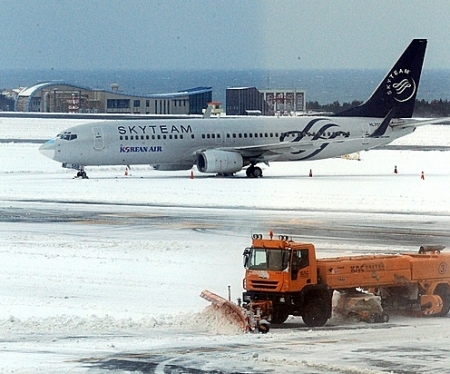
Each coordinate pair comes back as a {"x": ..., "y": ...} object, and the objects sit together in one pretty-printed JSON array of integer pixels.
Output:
[{"x": 227, "y": 145}]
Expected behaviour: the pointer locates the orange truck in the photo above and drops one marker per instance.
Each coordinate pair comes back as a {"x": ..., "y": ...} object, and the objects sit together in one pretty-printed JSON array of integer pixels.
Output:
[{"x": 284, "y": 277}]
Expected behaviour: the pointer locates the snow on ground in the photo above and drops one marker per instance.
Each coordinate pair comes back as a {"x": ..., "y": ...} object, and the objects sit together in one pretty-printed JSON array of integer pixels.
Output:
[{"x": 97, "y": 276}]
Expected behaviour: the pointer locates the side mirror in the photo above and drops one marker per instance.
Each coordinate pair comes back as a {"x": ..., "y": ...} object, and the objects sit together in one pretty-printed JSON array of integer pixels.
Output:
[{"x": 246, "y": 255}]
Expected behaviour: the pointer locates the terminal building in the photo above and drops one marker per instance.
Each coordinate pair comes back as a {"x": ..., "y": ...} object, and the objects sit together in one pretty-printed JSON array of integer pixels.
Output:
[
  {"x": 251, "y": 101},
  {"x": 60, "y": 97}
]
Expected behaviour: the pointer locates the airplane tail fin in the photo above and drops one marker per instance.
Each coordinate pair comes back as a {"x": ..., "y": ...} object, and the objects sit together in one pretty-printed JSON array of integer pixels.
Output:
[{"x": 398, "y": 89}]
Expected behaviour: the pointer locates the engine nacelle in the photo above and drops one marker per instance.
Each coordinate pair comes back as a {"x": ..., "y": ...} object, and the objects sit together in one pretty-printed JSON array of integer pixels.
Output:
[{"x": 216, "y": 161}]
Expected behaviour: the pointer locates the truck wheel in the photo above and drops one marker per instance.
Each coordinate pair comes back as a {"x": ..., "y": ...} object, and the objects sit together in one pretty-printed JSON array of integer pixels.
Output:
[
  {"x": 442, "y": 290},
  {"x": 263, "y": 328},
  {"x": 316, "y": 312},
  {"x": 279, "y": 316},
  {"x": 381, "y": 318}
]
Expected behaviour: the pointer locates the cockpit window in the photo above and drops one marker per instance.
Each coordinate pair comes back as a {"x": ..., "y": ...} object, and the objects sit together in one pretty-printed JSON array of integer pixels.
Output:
[{"x": 67, "y": 136}]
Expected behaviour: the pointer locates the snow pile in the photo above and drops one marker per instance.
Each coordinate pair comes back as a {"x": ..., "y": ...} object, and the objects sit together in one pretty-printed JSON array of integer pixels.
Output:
[
  {"x": 218, "y": 321},
  {"x": 77, "y": 325}
]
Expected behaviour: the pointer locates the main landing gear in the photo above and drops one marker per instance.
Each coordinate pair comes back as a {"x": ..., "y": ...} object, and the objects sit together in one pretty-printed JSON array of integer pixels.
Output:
[{"x": 254, "y": 172}]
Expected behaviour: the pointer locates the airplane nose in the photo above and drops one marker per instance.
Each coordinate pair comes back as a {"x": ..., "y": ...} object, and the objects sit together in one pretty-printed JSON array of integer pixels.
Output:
[{"x": 48, "y": 149}]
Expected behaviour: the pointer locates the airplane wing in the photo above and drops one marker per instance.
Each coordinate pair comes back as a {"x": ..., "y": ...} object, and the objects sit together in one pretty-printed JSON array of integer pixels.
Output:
[
  {"x": 415, "y": 122},
  {"x": 271, "y": 152}
]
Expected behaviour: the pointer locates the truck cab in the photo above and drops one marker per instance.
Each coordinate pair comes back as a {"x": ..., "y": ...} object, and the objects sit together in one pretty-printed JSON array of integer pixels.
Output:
[
  {"x": 281, "y": 279},
  {"x": 279, "y": 265}
]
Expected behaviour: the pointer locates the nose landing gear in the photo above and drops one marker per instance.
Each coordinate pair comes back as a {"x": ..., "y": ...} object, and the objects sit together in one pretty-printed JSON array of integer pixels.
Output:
[{"x": 81, "y": 174}]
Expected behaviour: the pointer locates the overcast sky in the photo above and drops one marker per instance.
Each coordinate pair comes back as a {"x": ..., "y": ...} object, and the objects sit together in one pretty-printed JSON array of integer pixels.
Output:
[{"x": 229, "y": 34}]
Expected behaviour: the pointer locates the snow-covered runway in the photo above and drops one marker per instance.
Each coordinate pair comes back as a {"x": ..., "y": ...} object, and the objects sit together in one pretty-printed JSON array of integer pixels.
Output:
[{"x": 103, "y": 275}]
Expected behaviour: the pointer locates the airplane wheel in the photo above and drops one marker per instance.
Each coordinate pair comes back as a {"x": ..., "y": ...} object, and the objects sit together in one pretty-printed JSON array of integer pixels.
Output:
[
  {"x": 253, "y": 172},
  {"x": 257, "y": 172}
]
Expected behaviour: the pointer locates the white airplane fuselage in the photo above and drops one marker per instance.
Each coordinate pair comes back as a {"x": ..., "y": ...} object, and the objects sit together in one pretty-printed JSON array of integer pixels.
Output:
[{"x": 174, "y": 144}]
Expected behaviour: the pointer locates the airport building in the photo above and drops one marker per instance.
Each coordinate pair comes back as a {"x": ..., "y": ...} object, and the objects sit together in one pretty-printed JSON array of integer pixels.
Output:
[
  {"x": 251, "y": 101},
  {"x": 60, "y": 97}
]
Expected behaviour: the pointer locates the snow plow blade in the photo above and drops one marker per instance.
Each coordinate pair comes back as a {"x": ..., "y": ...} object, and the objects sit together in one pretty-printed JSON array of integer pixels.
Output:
[{"x": 233, "y": 312}]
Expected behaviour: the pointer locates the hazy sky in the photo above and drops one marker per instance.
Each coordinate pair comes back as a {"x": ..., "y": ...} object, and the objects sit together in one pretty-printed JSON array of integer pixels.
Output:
[{"x": 229, "y": 34}]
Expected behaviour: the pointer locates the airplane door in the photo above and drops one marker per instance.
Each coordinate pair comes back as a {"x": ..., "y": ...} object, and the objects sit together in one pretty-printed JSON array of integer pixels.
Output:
[
  {"x": 220, "y": 138},
  {"x": 99, "y": 143},
  {"x": 365, "y": 133}
]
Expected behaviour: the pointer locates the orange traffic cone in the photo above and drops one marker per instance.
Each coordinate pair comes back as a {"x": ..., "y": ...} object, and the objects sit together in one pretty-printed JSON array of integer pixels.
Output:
[
  {"x": 192, "y": 175},
  {"x": 310, "y": 172}
]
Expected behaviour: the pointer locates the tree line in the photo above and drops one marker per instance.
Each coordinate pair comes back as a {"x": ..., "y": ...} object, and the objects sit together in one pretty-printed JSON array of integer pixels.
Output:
[{"x": 423, "y": 108}]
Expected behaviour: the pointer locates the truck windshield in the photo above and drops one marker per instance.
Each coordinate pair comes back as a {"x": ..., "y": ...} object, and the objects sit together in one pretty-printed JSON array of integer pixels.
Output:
[{"x": 268, "y": 259}]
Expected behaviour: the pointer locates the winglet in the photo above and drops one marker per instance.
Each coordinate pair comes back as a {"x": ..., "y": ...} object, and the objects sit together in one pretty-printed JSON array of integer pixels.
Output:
[
  {"x": 208, "y": 111},
  {"x": 379, "y": 132}
]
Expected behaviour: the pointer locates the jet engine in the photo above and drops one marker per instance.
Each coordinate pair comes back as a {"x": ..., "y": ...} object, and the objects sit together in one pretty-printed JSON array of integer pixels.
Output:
[{"x": 216, "y": 161}]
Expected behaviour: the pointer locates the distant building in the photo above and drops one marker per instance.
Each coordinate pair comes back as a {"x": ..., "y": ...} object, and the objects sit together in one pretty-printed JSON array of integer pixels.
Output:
[
  {"x": 241, "y": 100},
  {"x": 60, "y": 97},
  {"x": 8, "y": 98},
  {"x": 251, "y": 101},
  {"x": 284, "y": 101}
]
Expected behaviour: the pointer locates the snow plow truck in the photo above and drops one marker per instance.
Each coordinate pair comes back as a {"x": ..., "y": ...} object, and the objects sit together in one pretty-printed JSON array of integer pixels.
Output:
[{"x": 284, "y": 277}]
